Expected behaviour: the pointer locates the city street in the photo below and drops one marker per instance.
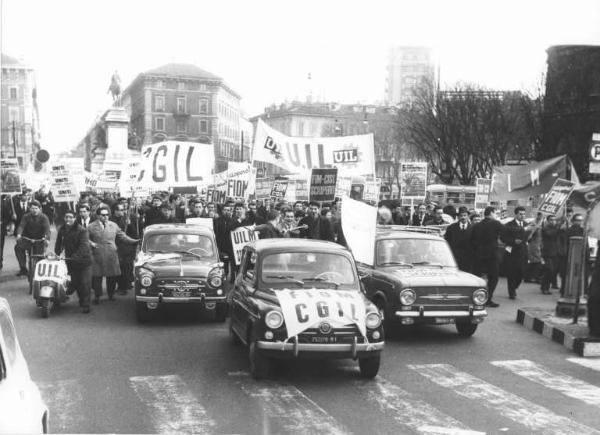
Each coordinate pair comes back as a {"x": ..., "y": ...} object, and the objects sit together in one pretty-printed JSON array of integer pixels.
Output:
[{"x": 105, "y": 373}]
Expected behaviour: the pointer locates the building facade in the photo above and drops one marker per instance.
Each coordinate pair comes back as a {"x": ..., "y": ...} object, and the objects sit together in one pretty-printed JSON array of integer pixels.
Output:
[
  {"x": 20, "y": 135},
  {"x": 183, "y": 102},
  {"x": 408, "y": 68}
]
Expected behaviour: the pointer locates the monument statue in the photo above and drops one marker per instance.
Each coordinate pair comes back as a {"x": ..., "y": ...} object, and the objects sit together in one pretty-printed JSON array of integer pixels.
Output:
[{"x": 115, "y": 86}]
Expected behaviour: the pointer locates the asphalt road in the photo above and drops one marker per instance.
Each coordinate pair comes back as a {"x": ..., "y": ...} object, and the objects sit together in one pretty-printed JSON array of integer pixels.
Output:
[{"x": 104, "y": 373}]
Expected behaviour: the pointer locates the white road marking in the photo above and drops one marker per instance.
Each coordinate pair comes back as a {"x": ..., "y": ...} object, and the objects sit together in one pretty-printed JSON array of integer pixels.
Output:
[
  {"x": 173, "y": 407},
  {"x": 408, "y": 411},
  {"x": 67, "y": 396},
  {"x": 289, "y": 408},
  {"x": 567, "y": 385},
  {"x": 521, "y": 411},
  {"x": 590, "y": 363}
]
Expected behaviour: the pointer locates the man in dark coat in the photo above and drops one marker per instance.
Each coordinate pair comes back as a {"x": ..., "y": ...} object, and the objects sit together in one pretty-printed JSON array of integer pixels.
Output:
[
  {"x": 84, "y": 217},
  {"x": 34, "y": 225},
  {"x": 436, "y": 218},
  {"x": 269, "y": 230},
  {"x": 312, "y": 221},
  {"x": 125, "y": 251},
  {"x": 514, "y": 236},
  {"x": 484, "y": 240},
  {"x": 20, "y": 206},
  {"x": 153, "y": 215},
  {"x": 458, "y": 236},
  {"x": 550, "y": 232},
  {"x": 420, "y": 216},
  {"x": 74, "y": 240},
  {"x": 222, "y": 227}
]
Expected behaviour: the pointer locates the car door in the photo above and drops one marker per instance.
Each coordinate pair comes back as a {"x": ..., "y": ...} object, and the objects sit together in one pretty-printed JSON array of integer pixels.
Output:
[{"x": 244, "y": 287}]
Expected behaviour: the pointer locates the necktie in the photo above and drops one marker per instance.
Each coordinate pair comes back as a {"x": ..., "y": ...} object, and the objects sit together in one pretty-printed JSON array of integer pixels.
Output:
[
  {"x": 84, "y": 224},
  {"x": 463, "y": 227}
]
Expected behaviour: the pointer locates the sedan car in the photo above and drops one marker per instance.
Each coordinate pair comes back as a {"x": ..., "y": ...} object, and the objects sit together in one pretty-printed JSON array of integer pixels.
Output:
[
  {"x": 414, "y": 280},
  {"x": 179, "y": 264},
  {"x": 303, "y": 300},
  {"x": 22, "y": 409}
]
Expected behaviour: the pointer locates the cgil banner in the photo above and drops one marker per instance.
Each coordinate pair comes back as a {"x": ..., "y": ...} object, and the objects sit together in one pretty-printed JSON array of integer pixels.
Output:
[
  {"x": 240, "y": 237},
  {"x": 307, "y": 308},
  {"x": 557, "y": 197},
  {"x": 359, "y": 223},
  {"x": 175, "y": 164},
  {"x": 351, "y": 155}
]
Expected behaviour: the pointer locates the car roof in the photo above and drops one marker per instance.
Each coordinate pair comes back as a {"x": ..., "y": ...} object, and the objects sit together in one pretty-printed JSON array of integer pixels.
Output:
[
  {"x": 304, "y": 245},
  {"x": 390, "y": 233},
  {"x": 177, "y": 229}
]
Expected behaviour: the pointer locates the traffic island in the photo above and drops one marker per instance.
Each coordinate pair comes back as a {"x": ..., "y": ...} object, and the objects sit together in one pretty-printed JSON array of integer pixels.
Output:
[{"x": 561, "y": 330}]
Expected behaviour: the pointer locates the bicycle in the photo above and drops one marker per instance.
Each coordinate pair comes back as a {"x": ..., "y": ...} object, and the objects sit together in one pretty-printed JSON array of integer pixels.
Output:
[{"x": 32, "y": 258}]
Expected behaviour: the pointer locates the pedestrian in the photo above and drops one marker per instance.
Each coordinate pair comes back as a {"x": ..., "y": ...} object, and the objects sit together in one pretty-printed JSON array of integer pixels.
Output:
[
  {"x": 222, "y": 229},
  {"x": 437, "y": 218},
  {"x": 74, "y": 240},
  {"x": 84, "y": 218},
  {"x": 125, "y": 251},
  {"x": 515, "y": 236},
  {"x": 484, "y": 241},
  {"x": 33, "y": 225},
  {"x": 312, "y": 221},
  {"x": 420, "y": 216},
  {"x": 533, "y": 270},
  {"x": 20, "y": 206},
  {"x": 458, "y": 236},
  {"x": 5, "y": 222},
  {"x": 103, "y": 236},
  {"x": 326, "y": 231},
  {"x": 550, "y": 247}
]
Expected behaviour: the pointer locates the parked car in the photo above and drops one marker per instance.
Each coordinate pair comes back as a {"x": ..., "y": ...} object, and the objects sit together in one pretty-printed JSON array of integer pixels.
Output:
[
  {"x": 179, "y": 264},
  {"x": 303, "y": 300},
  {"x": 414, "y": 280},
  {"x": 22, "y": 409}
]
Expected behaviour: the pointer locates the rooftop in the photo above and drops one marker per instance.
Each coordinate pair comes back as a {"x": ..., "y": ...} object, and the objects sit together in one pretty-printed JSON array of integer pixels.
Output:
[
  {"x": 182, "y": 70},
  {"x": 12, "y": 62}
]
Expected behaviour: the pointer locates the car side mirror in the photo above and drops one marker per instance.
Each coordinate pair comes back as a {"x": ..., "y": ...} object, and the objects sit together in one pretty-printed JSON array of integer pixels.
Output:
[{"x": 363, "y": 273}]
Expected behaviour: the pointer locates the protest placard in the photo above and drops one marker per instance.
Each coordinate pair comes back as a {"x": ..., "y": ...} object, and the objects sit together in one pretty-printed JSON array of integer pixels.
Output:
[
  {"x": 279, "y": 188},
  {"x": 62, "y": 184},
  {"x": 217, "y": 192},
  {"x": 371, "y": 191},
  {"x": 263, "y": 188},
  {"x": 413, "y": 180},
  {"x": 343, "y": 186},
  {"x": 240, "y": 237},
  {"x": 238, "y": 178},
  {"x": 556, "y": 197},
  {"x": 483, "y": 189},
  {"x": 10, "y": 177},
  {"x": 322, "y": 184}
]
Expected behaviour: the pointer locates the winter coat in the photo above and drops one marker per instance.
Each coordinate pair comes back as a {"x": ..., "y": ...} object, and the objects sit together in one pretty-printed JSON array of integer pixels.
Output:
[
  {"x": 106, "y": 259},
  {"x": 76, "y": 244}
]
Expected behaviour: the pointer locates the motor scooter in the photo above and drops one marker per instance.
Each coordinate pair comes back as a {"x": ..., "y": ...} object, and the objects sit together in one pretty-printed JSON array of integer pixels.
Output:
[{"x": 51, "y": 283}]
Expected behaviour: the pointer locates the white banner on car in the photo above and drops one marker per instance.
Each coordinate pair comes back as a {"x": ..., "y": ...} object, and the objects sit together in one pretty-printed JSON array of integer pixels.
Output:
[
  {"x": 176, "y": 164},
  {"x": 359, "y": 223},
  {"x": 351, "y": 155},
  {"x": 204, "y": 222},
  {"x": 307, "y": 308},
  {"x": 240, "y": 237}
]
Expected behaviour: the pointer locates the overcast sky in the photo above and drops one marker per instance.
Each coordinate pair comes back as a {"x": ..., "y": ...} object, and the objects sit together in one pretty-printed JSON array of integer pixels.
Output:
[{"x": 265, "y": 49}]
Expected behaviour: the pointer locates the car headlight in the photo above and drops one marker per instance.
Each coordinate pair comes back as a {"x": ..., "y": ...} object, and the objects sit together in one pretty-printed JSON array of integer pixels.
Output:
[
  {"x": 274, "y": 319},
  {"x": 408, "y": 296},
  {"x": 146, "y": 280},
  {"x": 215, "y": 278},
  {"x": 373, "y": 320},
  {"x": 480, "y": 296}
]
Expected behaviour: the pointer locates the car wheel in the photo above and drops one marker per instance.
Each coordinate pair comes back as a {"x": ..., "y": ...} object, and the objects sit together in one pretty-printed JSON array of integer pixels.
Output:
[
  {"x": 221, "y": 312},
  {"x": 142, "y": 313},
  {"x": 259, "y": 364},
  {"x": 369, "y": 367},
  {"x": 466, "y": 329},
  {"x": 45, "y": 308},
  {"x": 232, "y": 335}
]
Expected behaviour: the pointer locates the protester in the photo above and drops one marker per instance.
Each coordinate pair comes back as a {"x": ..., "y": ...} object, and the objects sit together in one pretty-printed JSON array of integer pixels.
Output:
[
  {"x": 312, "y": 221},
  {"x": 326, "y": 231},
  {"x": 514, "y": 236},
  {"x": 550, "y": 242},
  {"x": 153, "y": 214},
  {"x": 74, "y": 240},
  {"x": 125, "y": 251},
  {"x": 288, "y": 226},
  {"x": 20, "y": 206},
  {"x": 534, "y": 270},
  {"x": 84, "y": 219},
  {"x": 420, "y": 216},
  {"x": 458, "y": 236},
  {"x": 269, "y": 230},
  {"x": 437, "y": 218},
  {"x": 450, "y": 209},
  {"x": 33, "y": 225}
]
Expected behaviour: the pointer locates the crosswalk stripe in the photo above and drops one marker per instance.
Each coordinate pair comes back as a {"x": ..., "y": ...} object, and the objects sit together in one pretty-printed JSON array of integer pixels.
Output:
[
  {"x": 290, "y": 408},
  {"x": 590, "y": 363},
  {"x": 67, "y": 394},
  {"x": 409, "y": 411},
  {"x": 567, "y": 385},
  {"x": 509, "y": 405},
  {"x": 174, "y": 408}
]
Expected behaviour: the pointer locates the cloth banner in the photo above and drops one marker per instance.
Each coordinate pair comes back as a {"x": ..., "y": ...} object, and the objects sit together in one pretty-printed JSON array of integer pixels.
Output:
[
  {"x": 322, "y": 184},
  {"x": 10, "y": 177},
  {"x": 413, "y": 180},
  {"x": 172, "y": 163},
  {"x": 523, "y": 181},
  {"x": 240, "y": 237},
  {"x": 483, "y": 188},
  {"x": 359, "y": 223},
  {"x": 217, "y": 192},
  {"x": 238, "y": 179},
  {"x": 352, "y": 155},
  {"x": 343, "y": 187},
  {"x": 62, "y": 184},
  {"x": 557, "y": 197},
  {"x": 307, "y": 308}
]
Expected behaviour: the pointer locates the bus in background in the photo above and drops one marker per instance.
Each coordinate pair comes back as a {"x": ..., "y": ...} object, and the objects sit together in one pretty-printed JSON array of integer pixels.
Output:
[{"x": 462, "y": 196}]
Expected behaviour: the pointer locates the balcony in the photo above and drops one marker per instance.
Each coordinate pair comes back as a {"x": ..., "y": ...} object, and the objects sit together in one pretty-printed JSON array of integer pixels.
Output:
[{"x": 181, "y": 113}]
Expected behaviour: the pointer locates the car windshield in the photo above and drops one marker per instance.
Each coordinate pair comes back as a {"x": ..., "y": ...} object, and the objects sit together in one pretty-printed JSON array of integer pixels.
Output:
[
  {"x": 414, "y": 253},
  {"x": 195, "y": 244},
  {"x": 307, "y": 268}
]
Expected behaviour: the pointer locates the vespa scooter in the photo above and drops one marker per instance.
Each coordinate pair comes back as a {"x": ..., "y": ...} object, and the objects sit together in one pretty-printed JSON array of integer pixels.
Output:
[{"x": 50, "y": 283}]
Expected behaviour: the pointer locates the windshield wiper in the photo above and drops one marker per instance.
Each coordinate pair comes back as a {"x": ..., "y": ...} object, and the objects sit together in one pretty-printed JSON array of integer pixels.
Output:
[
  {"x": 156, "y": 251},
  {"x": 396, "y": 263},
  {"x": 427, "y": 263},
  {"x": 337, "y": 284},
  {"x": 287, "y": 278},
  {"x": 188, "y": 252}
]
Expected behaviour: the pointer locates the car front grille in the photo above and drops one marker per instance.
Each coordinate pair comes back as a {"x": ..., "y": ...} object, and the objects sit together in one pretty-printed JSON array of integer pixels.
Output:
[
  {"x": 343, "y": 334},
  {"x": 176, "y": 286},
  {"x": 443, "y": 295}
]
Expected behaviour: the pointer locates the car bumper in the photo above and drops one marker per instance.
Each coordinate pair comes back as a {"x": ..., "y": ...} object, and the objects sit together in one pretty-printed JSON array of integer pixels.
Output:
[
  {"x": 181, "y": 300},
  {"x": 453, "y": 313},
  {"x": 320, "y": 350}
]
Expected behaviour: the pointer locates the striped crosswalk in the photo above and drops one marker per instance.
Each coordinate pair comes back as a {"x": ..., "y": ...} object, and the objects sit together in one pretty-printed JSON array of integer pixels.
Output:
[{"x": 176, "y": 404}]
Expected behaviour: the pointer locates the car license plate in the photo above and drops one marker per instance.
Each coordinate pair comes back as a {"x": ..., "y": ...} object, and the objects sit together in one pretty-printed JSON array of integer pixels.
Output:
[
  {"x": 443, "y": 320},
  {"x": 331, "y": 339},
  {"x": 182, "y": 294}
]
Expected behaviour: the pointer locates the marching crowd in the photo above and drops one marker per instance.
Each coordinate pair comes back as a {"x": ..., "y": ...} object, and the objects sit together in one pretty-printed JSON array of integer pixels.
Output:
[{"x": 98, "y": 235}]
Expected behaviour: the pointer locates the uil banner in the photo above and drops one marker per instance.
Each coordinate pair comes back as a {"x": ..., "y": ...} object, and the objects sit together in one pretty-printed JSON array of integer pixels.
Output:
[
  {"x": 240, "y": 237},
  {"x": 557, "y": 197},
  {"x": 351, "y": 155},
  {"x": 413, "y": 180},
  {"x": 303, "y": 309},
  {"x": 483, "y": 188},
  {"x": 10, "y": 177},
  {"x": 62, "y": 184},
  {"x": 175, "y": 164},
  {"x": 359, "y": 223},
  {"x": 322, "y": 185}
]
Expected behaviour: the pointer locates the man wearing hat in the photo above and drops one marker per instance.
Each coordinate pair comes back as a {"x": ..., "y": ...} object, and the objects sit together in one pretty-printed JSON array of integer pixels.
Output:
[{"x": 33, "y": 225}]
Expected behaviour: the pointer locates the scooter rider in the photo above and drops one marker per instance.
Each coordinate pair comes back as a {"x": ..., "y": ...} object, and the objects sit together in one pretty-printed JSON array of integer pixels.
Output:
[
  {"x": 34, "y": 225},
  {"x": 74, "y": 239}
]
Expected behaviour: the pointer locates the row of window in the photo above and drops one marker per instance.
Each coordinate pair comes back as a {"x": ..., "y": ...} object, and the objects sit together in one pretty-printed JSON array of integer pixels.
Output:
[
  {"x": 227, "y": 111},
  {"x": 229, "y": 132},
  {"x": 182, "y": 104},
  {"x": 180, "y": 86},
  {"x": 181, "y": 125},
  {"x": 229, "y": 150}
]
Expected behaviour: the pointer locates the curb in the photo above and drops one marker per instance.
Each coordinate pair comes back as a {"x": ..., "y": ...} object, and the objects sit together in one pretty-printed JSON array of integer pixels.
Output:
[
  {"x": 10, "y": 278},
  {"x": 573, "y": 337}
]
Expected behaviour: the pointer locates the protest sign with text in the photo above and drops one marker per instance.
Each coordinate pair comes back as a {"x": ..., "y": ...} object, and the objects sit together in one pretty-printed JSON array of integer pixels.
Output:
[
  {"x": 557, "y": 197},
  {"x": 62, "y": 184},
  {"x": 10, "y": 177},
  {"x": 263, "y": 188},
  {"x": 413, "y": 180},
  {"x": 238, "y": 178},
  {"x": 322, "y": 185},
  {"x": 343, "y": 186},
  {"x": 217, "y": 192},
  {"x": 483, "y": 189},
  {"x": 240, "y": 237},
  {"x": 279, "y": 188}
]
